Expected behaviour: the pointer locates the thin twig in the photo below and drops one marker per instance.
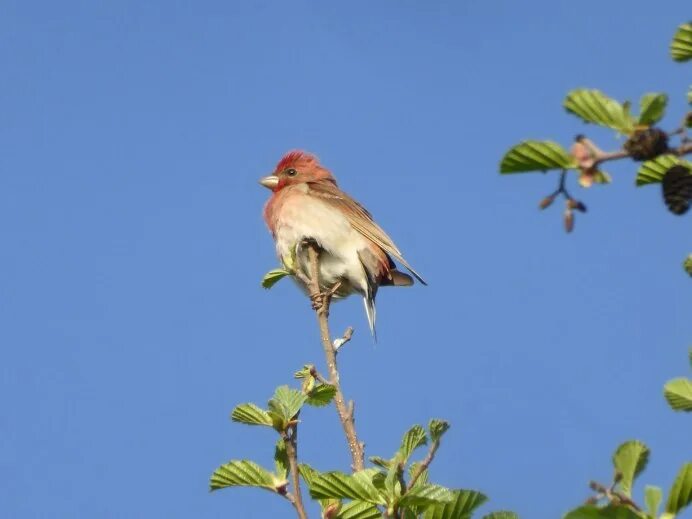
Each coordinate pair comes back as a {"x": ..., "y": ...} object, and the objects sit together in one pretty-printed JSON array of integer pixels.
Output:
[
  {"x": 291, "y": 441},
  {"x": 424, "y": 464},
  {"x": 321, "y": 305}
]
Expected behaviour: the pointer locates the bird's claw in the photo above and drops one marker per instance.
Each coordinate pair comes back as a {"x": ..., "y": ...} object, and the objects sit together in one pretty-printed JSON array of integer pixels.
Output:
[{"x": 321, "y": 300}]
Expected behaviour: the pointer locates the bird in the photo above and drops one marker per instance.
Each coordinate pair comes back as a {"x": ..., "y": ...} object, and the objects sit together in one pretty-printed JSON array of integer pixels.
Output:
[{"x": 355, "y": 254}]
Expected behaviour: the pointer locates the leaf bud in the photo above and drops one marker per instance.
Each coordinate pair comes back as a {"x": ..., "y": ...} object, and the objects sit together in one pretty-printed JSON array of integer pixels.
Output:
[
  {"x": 546, "y": 202},
  {"x": 569, "y": 220}
]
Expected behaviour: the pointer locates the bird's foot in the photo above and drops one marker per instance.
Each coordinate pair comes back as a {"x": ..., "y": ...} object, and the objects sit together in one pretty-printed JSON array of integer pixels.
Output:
[{"x": 320, "y": 300}]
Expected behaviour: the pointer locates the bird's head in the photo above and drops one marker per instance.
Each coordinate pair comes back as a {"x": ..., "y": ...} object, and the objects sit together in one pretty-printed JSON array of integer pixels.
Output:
[{"x": 296, "y": 167}]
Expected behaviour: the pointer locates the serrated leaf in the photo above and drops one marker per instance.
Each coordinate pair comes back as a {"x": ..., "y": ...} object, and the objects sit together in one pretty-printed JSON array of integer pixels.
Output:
[
  {"x": 437, "y": 428},
  {"x": 593, "y": 106},
  {"x": 678, "y": 392},
  {"x": 337, "y": 485},
  {"x": 413, "y": 438},
  {"x": 359, "y": 510},
  {"x": 321, "y": 395},
  {"x": 630, "y": 460},
  {"x": 242, "y": 473},
  {"x": 381, "y": 462},
  {"x": 652, "y": 497},
  {"x": 687, "y": 264},
  {"x": 680, "y": 494},
  {"x": 426, "y": 495},
  {"x": 309, "y": 474},
  {"x": 607, "y": 512},
  {"x": 461, "y": 507},
  {"x": 284, "y": 405},
  {"x": 251, "y": 414},
  {"x": 681, "y": 46},
  {"x": 651, "y": 108},
  {"x": 272, "y": 277},
  {"x": 652, "y": 171},
  {"x": 281, "y": 459},
  {"x": 502, "y": 514},
  {"x": 305, "y": 372},
  {"x": 536, "y": 156}
]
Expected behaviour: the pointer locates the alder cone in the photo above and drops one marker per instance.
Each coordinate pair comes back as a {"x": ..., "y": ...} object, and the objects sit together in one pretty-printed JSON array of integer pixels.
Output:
[
  {"x": 647, "y": 144},
  {"x": 677, "y": 189}
]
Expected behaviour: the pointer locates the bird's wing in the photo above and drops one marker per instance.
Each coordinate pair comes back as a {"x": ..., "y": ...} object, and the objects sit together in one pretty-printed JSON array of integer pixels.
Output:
[{"x": 360, "y": 219}]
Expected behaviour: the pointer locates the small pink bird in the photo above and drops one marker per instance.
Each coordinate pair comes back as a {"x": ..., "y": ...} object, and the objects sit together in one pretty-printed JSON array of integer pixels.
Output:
[{"x": 306, "y": 204}]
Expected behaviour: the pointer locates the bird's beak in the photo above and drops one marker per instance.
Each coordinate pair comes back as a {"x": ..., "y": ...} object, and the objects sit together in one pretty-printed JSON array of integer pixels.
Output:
[{"x": 270, "y": 182}]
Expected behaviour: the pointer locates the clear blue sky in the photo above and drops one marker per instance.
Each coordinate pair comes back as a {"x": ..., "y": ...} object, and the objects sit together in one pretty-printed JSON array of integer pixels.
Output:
[{"x": 131, "y": 316}]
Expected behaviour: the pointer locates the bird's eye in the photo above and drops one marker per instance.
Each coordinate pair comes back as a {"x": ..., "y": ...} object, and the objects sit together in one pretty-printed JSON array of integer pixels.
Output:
[{"x": 291, "y": 172}]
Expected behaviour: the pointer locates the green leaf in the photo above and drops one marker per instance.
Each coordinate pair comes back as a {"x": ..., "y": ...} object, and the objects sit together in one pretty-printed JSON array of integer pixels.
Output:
[
  {"x": 536, "y": 156},
  {"x": 687, "y": 264},
  {"x": 651, "y": 108},
  {"x": 381, "y": 462},
  {"x": 601, "y": 177},
  {"x": 652, "y": 171},
  {"x": 306, "y": 372},
  {"x": 689, "y": 99},
  {"x": 426, "y": 495},
  {"x": 359, "y": 510},
  {"x": 281, "y": 459},
  {"x": 678, "y": 392},
  {"x": 321, "y": 395},
  {"x": 251, "y": 414},
  {"x": 681, "y": 46},
  {"x": 502, "y": 514},
  {"x": 593, "y": 106},
  {"x": 607, "y": 512},
  {"x": 242, "y": 473},
  {"x": 309, "y": 475},
  {"x": 680, "y": 494},
  {"x": 274, "y": 276},
  {"x": 653, "y": 497},
  {"x": 437, "y": 428},
  {"x": 630, "y": 460},
  {"x": 415, "y": 437},
  {"x": 284, "y": 405},
  {"x": 461, "y": 507},
  {"x": 337, "y": 485}
]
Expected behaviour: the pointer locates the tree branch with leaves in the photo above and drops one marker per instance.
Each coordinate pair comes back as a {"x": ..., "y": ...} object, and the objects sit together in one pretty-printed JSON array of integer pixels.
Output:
[{"x": 661, "y": 153}]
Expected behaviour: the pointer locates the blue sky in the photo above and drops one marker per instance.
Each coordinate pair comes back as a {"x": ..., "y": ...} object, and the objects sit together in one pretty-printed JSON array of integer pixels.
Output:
[{"x": 131, "y": 316}]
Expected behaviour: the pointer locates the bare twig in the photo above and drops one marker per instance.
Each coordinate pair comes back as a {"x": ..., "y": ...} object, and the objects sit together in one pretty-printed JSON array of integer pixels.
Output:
[
  {"x": 321, "y": 303},
  {"x": 424, "y": 464},
  {"x": 339, "y": 342},
  {"x": 291, "y": 441}
]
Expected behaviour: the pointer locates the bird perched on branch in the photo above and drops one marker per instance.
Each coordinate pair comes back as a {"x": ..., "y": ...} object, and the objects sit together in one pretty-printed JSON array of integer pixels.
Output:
[{"x": 355, "y": 255}]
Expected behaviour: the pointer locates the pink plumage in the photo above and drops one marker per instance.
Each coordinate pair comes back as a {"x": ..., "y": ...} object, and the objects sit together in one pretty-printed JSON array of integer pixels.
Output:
[{"x": 307, "y": 204}]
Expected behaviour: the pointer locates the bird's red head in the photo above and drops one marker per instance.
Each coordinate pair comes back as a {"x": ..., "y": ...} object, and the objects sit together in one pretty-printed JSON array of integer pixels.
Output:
[{"x": 296, "y": 167}]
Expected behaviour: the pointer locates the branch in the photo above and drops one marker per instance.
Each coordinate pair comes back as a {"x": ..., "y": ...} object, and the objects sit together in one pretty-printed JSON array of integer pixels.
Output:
[
  {"x": 321, "y": 303},
  {"x": 424, "y": 464},
  {"x": 291, "y": 442}
]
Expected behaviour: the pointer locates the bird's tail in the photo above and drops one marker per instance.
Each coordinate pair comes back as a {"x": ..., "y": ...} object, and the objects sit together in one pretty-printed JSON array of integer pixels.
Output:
[{"x": 371, "y": 312}]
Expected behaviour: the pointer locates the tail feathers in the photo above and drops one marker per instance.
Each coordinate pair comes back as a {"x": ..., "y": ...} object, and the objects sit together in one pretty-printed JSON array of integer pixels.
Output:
[
  {"x": 371, "y": 312},
  {"x": 397, "y": 279}
]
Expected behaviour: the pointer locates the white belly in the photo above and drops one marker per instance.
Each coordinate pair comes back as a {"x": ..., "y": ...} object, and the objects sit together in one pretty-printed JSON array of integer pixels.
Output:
[{"x": 309, "y": 218}]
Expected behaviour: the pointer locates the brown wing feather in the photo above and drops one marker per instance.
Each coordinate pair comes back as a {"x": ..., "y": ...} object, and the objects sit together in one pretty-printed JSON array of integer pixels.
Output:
[{"x": 360, "y": 219}]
